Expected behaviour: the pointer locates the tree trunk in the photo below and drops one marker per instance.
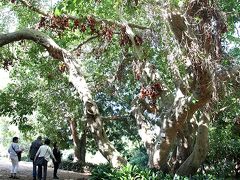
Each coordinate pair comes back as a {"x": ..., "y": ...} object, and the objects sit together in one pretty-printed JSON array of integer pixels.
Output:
[
  {"x": 193, "y": 162},
  {"x": 200, "y": 86},
  {"x": 79, "y": 144},
  {"x": 92, "y": 114},
  {"x": 145, "y": 132},
  {"x": 184, "y": 144},
  {"x": 83, "y": 142}
]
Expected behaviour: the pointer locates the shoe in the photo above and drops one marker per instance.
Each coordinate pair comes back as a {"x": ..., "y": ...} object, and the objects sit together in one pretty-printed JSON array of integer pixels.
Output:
[
  {"x": 55, "y": 177},
  {"x": 15, "y": 177},
  {"x": 11, "y": 176}
]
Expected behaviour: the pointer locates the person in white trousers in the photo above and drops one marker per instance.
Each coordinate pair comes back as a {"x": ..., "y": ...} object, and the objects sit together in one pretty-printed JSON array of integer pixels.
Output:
[{"x": 13, "y": 150}]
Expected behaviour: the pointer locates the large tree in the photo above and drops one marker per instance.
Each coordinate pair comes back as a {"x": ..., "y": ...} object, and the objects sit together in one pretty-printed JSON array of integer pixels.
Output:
[{"x": 163, "y": 63}]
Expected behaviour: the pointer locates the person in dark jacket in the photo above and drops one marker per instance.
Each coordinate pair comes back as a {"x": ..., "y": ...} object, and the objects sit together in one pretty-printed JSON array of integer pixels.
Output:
[
  {"x": 58, "y": 155},
  {"x": 32, "y": 152}
]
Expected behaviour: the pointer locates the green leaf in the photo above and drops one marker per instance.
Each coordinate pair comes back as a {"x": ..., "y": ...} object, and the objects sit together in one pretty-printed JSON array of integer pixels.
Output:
[{"x": 57, "y": 12}]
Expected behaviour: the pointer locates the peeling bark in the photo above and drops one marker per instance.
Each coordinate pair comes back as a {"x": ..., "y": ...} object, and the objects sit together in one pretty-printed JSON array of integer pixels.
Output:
[
  {"x": 83, "y": 142},
  {"x": 79, "y": 143},
  {"x": 93, "y": 116},
  {"x": 193, "y": 162},
  {"x": 184, "y": 144},
  {"x": 176, "y": 119},
  {"x": 184, "y": 107},
  {"x": 145, "y": 132},
  {"x": 148, "y": 132},
  {"x": 28, "y": 34},
  {"x": 181, "y": 111}
]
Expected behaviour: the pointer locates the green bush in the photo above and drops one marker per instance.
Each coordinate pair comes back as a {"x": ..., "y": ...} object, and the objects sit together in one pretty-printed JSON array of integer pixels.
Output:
[
  {"x": 133, "y": 172},
  {"x": 136, "y": 172},
  {"x": 102, "y": 172},
  {"x": 75, "y": 166},
  {"x": 224, "y": 151},
  {"x": 139, "y": 157},
  {"x": 128, "y": 172}
]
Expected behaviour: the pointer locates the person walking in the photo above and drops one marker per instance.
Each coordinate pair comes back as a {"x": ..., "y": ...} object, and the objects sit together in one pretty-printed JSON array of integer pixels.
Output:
[
  {"x": 13, "y": 151},
  {"x": 32, "y": 153},
  {"x": 58, "y": 155},
  {"x": 44, "y": 151}
]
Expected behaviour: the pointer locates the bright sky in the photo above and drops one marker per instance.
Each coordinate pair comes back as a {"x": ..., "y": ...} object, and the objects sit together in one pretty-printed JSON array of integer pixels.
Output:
[{"x": 4, "y": 78}]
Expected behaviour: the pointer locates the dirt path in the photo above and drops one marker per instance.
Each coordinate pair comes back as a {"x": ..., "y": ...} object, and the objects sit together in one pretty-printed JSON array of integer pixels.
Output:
[{"x": 25, "y": 172}]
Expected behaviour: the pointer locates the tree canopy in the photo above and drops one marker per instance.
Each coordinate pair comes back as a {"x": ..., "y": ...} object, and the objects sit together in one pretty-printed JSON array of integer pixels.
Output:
[{"x": 155, "y": 72}]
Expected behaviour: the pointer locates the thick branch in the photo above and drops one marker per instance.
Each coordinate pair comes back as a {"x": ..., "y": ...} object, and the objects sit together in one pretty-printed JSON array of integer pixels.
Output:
[{"x": 27, "y": 34}]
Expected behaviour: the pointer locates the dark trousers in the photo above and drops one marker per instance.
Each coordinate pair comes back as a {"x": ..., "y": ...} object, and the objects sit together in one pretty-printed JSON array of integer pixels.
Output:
[
  {"x": 56, "y": 166},
  {"x": 35, "y": 170},
  {"x": 44, "y": 171}
]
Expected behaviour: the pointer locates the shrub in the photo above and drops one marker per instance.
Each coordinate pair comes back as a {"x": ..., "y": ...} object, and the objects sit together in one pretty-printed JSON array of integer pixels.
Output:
[
  {"x": 139, "y": 157},
  {"x": 75, "y": 166},
  {"x": 224, "y": 151},
  {"x": 102, "y": 172},
  {"x": 128, "y": 172}
]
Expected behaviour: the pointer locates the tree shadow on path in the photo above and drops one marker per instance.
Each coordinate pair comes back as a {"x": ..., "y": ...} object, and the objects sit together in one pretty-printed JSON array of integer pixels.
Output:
[{"x": 25, "y": 172}]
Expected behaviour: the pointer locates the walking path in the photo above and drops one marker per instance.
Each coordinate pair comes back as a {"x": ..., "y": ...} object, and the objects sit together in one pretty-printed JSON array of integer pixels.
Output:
[{"x": 25, "y": 172}]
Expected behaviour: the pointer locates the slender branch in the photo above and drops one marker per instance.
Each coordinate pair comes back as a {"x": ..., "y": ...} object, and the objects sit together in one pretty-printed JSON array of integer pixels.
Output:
[
  {"x": 98, "y": 21},
  {"x": 110, "y": 22},
  {"x": 27, "y": 4},
  {"x": 84, "y": 42},
  {"x": 115, "y": 118}
]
